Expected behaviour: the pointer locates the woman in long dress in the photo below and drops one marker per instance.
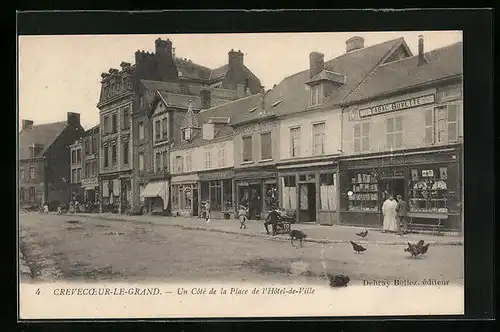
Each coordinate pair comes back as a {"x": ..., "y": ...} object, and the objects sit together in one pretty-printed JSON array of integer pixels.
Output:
[{"x": 389, "y": 210}]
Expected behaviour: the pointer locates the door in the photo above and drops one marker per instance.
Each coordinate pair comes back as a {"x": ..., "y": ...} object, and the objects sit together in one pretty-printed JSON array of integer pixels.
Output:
[
  {"x": 255, "y": 200},
  {"x": 392, "y": 186},
  {"x": 195, "y": 202},
  {"x": 307, "y": 202}
]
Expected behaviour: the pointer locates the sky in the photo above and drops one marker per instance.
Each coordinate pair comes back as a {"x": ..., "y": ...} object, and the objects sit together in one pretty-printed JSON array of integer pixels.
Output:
[{"x": 60, "y": 74}]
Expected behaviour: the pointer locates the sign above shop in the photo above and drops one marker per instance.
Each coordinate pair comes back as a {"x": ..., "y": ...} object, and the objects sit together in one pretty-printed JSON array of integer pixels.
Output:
[
  {"x": 398, "y": 105},
  {"x": 220, "y": 175}
]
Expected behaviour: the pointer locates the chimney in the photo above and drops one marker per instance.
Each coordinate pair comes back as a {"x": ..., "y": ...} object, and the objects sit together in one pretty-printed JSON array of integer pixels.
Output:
[
  {"x": 125, "y": 65},
  {"x": 26, "y": 123},
  {"x": 316, "y": 63},
  {"x": 206, "y": 100},
  {"x": 73, "y": 119},
  {"x": 235, "y": 59},
  {"x": 421, "y": 56},
  {"x": 354, "y": 43},
  {"x": 163, "y": 47},
  {"x": 240, "y": 91}
]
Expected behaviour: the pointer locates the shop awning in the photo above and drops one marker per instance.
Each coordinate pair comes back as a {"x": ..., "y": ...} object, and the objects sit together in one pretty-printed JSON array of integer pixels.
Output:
[{"x": 157, "y": 189}]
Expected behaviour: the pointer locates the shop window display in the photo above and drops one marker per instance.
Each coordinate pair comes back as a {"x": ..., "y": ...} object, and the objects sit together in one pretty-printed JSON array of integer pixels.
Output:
[
  {"x": 364, "y": 192},
  {"x": 289, "y": 193},
  {"x": 429, "y": 190}
]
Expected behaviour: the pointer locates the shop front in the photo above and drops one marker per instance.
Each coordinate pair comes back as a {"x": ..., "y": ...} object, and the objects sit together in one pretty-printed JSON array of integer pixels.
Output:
[
  {"x": 310, "y": 191},
  {"x": 156, "y": 197},
  {"x": 429, "y": 181},
  {"x": 216, "y": 192},
  {"x": 91, "y": 194},
  {"x": 110, "y": 194},
  {"x": 185, "y": 195},
  {"x": 257, "y": 190}
]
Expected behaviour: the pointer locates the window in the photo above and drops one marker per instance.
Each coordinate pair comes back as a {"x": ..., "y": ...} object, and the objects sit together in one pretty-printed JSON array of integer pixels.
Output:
[
  {"x": 21, "y": 174},
  {"x": 394, "y": 132},
  {"x": 289, "y": 193},
  {"x": 78, "y": 156},
  {"x": 164, "y": 126},
  {"x": 141, "y": 161},
  {"x": 178, "y": 163},
  {"x": 94, "y": 144},
  {"x": 157, "y": 161},
  {"x": 429, "y": 127},
  {"x": 188, "y": 162},
  {"x": 433, "y": 188},
  {"x": 125, "y": 153},
  {"x": 73, "y": 156},
  {"x": 447, "y": 120},
  {"x": 157, "y": 130},
  {"x": 141, "y": 130},
  {"x": 186, "y": 134},
  {"x": 94, "y": 169},
  {"x": 164, "y": 164},
  {"x": 328, "y": 192},
  {"x": 106, "y": 156},
  {"x": 294, "y": 142},
  {"x": 32, "y": 173},
  {"x": 266, "y": 146},
  {"x": 362, "y": 137},
  {"x": 126, "y": 118},
  {"x": 247, "y": 148},
  {"x": 113, "y": 154},
  {"x": 22, "y": 195},
  {"x": 31, "y": 193},
  {"x": 315, "y": 94},
  {"x": 449, "y": 93},
  {"x": 73, "y": 176},
  {"x": 222, "y": 155},
  {"x": 208, "y": 159},
  {"x": 78, "y": 175},
  {"x": 215, "y": 196},
  {"x": 319, "y": 138},
  {"x": 365, "y": 192},
  {"x": 86, "y": 146},
  {"x": 106, "y": 130},
  {"x": 113, "y": 123}
]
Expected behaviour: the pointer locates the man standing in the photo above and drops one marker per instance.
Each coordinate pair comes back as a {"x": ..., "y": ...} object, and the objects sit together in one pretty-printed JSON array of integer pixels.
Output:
[
  {"x": 272, "y": 219},
  {"x": 402, "y": 210}
]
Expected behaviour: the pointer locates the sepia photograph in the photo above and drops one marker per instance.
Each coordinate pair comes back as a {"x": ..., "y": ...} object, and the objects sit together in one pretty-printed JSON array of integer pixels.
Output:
[{"x": 241, "y": 175}]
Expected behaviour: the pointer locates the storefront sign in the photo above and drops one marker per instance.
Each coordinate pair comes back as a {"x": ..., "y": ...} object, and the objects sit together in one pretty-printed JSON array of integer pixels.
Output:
[
  {"x": 254, "y": 175},
  {"x": 90, "y": 183},
  {"x": 220, "y": 175},
  {"x": 185, "y": 178},
  {"x": 262, "y": 126},
  {"x": 427, "y": 173},
  {"x": 396, "y": 106},
  {"x": 392, "y": 173}
]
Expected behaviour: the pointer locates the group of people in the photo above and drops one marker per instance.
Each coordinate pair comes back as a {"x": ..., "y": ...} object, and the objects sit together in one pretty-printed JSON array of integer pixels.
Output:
[{"x": 395, "y": 215}]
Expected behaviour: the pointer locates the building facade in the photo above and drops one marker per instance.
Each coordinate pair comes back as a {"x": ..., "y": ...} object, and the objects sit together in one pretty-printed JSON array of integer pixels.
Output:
[
  {"x": 404, "y": 137},
  {"x": 126, "y": 107},
  {"x": 308, "y": 109},
  {"x": 44, "y": 161},
  {"x": 90, "y": 165},
  {"x": 76, "y": 171}
]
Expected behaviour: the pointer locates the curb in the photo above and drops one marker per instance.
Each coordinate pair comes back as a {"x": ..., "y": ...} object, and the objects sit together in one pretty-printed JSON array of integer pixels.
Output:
[{"x": 281, "y": 237}]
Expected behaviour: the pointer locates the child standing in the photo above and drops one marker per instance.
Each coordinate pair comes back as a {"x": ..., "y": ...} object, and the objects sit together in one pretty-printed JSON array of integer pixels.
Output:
[
  {"x": 242, "y": 215},
  {"x": 207, "y": 212}
]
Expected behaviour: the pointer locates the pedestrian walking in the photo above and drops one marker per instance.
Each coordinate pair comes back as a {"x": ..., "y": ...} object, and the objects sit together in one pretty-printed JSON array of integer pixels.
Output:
[
  {"x": 242, "y": 216},
  {"x": 402, "y": 211},
  {"x": 207, "y": 212}
]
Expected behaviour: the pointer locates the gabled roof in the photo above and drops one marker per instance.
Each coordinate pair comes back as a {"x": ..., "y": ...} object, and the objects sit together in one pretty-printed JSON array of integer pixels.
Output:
[
  {"x": 441, "y": 63},
  {"x": 219, "y": 72},
  {"x": 356, "y": 65},
  {"x": 190, "y": 69},
  {"x": 231, "y": 110},
  {"x": 190, "y": 119},
  {"x": 327, "y": 75},
  {"x": 43, "y": 135},
  {"x": 182, "y": 101},
  {"x": 188, "y": 89}
]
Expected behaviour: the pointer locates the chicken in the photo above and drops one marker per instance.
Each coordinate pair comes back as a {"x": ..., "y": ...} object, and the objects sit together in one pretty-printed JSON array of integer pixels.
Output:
[
  {"x": 423, "y": 249},
  {"x": 357, "y": 248},
  {"x": 362, "y": 234},
  {"x": 420, "y": 243},
  {"x": 338, "y": 280},
  {"x": 417, "y": 249}
]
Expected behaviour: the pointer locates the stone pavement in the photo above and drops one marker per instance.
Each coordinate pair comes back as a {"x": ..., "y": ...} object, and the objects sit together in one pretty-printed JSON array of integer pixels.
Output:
[{"x": 315, "y": 232}]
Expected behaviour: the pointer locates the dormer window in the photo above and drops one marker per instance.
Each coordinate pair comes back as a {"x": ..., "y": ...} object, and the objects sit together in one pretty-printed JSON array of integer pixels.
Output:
[
  {"x": 187, "y": 134},
  {"x": 316, "y": 94}
]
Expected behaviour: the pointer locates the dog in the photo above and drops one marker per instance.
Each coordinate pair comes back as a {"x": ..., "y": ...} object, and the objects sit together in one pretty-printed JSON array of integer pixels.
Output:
[{"x": 297, "y": 235}]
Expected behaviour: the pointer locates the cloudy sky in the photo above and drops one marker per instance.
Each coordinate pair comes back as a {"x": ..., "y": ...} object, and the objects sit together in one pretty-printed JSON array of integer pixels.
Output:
[{"x": 59, "y": 74}]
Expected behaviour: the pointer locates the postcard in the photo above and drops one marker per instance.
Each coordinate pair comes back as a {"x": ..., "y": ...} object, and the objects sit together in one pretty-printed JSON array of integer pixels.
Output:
[{"x": 240, "y": 175}]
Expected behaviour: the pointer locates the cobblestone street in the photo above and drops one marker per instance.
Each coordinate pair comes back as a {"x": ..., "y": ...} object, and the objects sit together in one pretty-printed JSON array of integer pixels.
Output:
[{"x": 81, "y": 248}]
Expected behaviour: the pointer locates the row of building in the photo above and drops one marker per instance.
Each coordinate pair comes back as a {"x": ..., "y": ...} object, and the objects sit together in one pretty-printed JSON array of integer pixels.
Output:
[{"x": 326, "y": 143}]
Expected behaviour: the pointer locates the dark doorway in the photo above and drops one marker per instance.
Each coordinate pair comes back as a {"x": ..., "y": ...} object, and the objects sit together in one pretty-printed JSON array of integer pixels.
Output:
[
  {"x": 307, "y": 198},
  {"x": 255, "y": 201},
  {"x": 392, "y": 186},
  {"x": 195, "y": 202}
]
